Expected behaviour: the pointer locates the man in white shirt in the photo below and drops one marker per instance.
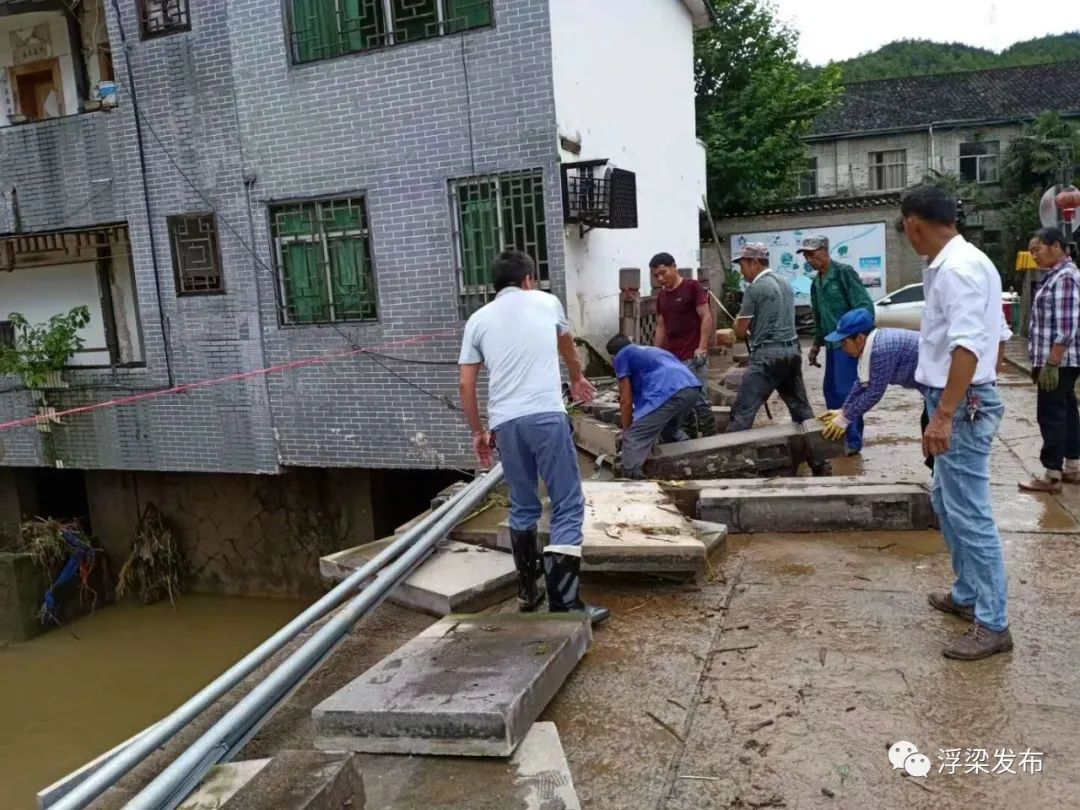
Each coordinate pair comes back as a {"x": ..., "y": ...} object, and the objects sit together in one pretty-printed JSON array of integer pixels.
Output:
[
  {"x": 958, "y": 353},
  {"x": 519, "y": 337}
]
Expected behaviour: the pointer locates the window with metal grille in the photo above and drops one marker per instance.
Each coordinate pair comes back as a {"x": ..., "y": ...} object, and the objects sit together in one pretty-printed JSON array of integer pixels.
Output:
[
  {"x": 888, "y": 170},
  {"x": 808, "y": 181},
  {"x": 324, "y": 261},
  {"x": 7, "y": 335},
  {"x": 196, "y": 254},
  {"x": 160, "y": 17},
  {"x": 493, "y": 213},
  {"x": 322, "y": 29}
]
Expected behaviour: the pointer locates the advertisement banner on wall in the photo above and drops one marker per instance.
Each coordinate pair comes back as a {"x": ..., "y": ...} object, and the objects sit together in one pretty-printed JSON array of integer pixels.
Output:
[{"x": 860, "y": 246}]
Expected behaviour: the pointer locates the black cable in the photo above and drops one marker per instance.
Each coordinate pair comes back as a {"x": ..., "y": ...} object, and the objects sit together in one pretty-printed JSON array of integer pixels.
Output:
[
  {"x": 468, "y": 105},
  {"x": 443, "y": 398}
]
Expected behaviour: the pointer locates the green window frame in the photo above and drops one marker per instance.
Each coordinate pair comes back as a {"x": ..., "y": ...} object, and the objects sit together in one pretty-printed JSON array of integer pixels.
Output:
[
  {"x": 324, "y": 29},
  {"x": 325, "y": 271},
  {"x": 493, "y": 213}
]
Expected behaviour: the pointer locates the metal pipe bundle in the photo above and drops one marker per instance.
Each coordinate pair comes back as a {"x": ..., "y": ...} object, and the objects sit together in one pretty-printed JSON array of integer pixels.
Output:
[{"x": 388, "y": 568}]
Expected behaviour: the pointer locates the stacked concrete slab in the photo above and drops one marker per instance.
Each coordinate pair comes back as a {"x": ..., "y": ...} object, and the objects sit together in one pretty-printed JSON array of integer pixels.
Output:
[
  {"x": 816, "y": 505},
  {"x": 466, "y": 686}
]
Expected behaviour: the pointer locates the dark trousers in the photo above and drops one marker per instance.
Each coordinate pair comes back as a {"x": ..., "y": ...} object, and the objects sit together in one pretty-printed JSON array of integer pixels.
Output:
[
  {"x": 1059, "y": 420},
  {"x": 770, "y": 369},
  {"x": 924, "y": 422},
  {"x": 663, "y": 424},
  {"x": 700, "y": 422}
]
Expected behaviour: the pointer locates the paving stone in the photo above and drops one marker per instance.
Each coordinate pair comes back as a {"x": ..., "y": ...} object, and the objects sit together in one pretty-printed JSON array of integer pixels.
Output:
[
  {"x": 815, "y": 505},
  {"x": 302, "y": 780},
  {"x": 749, "y": 453},
  {"x": 629, "y": 527},
  {"x": 222, "y": 783},
  {"x": 457, "y": 577},
  {"x": 537, "y": 777},
  {"x": 466, "y": 686},
  {"x": 734, "y": 377},
  {"x": 722, "y": 415}
]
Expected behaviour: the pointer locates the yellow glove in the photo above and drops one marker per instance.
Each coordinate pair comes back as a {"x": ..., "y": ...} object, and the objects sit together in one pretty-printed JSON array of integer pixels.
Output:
[
  {"x": 1049, "y": 378},
  {"x": 835, "y": 426},
  {"x": 828, "y": 416}
]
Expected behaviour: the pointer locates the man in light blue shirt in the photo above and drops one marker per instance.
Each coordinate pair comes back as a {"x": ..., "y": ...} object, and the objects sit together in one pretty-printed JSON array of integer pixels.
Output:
[
  {"x": 518, "y": 338},
  {"x": 656, "y": 394}
]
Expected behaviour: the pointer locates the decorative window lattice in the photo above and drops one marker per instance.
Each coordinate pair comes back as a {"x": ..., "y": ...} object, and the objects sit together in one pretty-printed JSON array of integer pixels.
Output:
[{"x": 196, "y": 254}]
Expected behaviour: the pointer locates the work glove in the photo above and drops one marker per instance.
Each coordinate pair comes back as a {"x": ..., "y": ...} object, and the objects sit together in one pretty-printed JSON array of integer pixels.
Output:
[
  {"x": 828, "y": 416},
  {"x": 836, "y": 427},
  {"x": 812, "y": 358},
  {"x": 1048, "y": 378}
]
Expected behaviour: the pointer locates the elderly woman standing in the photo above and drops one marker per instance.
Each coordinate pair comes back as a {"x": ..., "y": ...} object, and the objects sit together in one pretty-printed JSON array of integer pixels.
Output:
[{"x": 1054, "y": 349}]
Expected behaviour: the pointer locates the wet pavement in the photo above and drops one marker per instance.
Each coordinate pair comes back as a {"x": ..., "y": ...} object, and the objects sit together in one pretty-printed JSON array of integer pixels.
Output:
[
  {"x": 784, "y": 685},
  {"x": 782, "y": 679}
]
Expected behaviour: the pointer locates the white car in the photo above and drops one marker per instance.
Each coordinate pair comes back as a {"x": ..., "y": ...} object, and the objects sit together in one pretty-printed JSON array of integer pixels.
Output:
[{"x": 903, "y": 308}]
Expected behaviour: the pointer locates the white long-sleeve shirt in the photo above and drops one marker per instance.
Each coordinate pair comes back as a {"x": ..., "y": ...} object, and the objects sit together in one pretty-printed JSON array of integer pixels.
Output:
[{"x": 963, "y": 308}]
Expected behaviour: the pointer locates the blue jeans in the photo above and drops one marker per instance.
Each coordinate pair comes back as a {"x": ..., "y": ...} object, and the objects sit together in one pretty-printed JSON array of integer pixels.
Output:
[
  {"x": 841, "y": 372},
  {"x": 541, "y": 446},
  {"x": 961, "y": 497}
]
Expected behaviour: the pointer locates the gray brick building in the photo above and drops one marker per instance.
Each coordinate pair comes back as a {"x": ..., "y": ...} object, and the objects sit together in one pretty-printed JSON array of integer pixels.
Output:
[{"x": 249, "y": 184}]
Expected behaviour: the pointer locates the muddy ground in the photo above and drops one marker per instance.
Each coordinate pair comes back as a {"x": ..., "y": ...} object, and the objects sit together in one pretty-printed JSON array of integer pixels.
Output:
[{"x": 783, "y": 681}]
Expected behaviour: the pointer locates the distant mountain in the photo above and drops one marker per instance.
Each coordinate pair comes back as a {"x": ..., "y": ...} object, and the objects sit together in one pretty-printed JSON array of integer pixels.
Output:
[{"x": 920, "y": 57}]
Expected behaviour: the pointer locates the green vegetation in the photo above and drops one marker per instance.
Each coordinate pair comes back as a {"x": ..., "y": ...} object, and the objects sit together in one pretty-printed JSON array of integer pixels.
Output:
[
  {"x": 43, "y": 348},
  {"x": 754, "y": 105},
  {"x": 920, "y": 57}
]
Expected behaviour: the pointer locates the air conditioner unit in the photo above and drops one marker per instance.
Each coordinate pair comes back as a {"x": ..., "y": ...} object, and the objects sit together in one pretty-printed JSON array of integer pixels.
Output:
[{"x": 599, "y": 195}]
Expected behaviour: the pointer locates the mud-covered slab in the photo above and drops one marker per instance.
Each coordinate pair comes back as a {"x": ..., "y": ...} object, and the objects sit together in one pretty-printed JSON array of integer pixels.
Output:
[
  {"x": 466, "y": 686},
  {"x": 815, "y": 505},
  {"x": 456, "y": 578},
  {"x": 537, "y": 777}
]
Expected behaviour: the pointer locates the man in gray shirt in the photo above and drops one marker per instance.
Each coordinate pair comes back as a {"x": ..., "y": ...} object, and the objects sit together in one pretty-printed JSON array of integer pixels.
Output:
[
  {"x": 518, "y": 337},
  {"x": 768, "y": 317}
]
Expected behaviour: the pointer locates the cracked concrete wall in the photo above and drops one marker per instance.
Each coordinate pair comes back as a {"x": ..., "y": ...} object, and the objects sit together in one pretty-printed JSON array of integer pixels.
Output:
[{"x": 248, "y": 535}]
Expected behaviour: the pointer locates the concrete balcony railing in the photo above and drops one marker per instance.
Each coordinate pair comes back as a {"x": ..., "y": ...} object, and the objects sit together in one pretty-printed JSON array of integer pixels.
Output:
[{"x": 58, "y": 174}]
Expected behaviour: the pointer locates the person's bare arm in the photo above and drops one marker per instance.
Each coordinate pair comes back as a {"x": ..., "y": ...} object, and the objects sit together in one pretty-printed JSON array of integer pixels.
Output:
[
  {"x": 742, "y": 327},
  {"x": 660, "y": 338},
  {"x": 708, "y": 326},
  {"x": 580, "y": 388},
  {"x": 471, "y": 405},
  {"x": 626, "y": 403},
  {"x": 938, "y": 435}
]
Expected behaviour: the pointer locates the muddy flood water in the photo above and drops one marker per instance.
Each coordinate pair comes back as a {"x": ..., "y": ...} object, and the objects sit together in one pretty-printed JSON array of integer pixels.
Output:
[{"x": 75, "y": 692}]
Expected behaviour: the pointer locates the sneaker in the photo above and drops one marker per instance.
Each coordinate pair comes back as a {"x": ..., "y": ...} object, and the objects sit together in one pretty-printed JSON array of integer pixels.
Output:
[
  {"x": 1042, "y": 484},
  {"x": 979, "y": 642},
  {"x": 943, "y": 601}
]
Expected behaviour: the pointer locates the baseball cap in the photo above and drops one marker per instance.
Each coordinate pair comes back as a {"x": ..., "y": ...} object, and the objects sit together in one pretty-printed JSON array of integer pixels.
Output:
[
  {"x": 753, "y": 250},
  {"x": 813, "y": 243},
  {"x": 852, "y": 323}
]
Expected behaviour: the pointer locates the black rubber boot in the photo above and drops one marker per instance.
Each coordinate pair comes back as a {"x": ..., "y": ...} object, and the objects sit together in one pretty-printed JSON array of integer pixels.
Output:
[
  {"x": 562, "y": 575},
  {"x": 525, "y": 546}
]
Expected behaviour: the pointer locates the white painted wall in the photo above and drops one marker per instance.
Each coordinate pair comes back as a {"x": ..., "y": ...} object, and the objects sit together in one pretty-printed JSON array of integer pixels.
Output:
[
  {"x": 38, "y": 293},
  {"x": 624, "y": 87},
  {"x": 61, "y": 49}
]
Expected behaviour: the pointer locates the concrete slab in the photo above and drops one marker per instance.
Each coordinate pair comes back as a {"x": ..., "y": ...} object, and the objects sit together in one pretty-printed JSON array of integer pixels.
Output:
[
  {"x": 748, "y": 453},
  {"x": 457, "y": 577},
  {"x": 222, "y": 783},
  {"x": 537, "y": 777},
  {"x": 815, "y": 505},
  {"x": 302, "y": 780},
  {"x": 594, "y": 436},
  {"x": 632, "y": 526},
  {"x": 466, "y": 686},
  {"x": 722, "y": 415}
]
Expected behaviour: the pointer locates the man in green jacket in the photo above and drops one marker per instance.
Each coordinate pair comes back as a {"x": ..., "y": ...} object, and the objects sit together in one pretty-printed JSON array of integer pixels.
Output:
[{"x": 836, "y": 290}]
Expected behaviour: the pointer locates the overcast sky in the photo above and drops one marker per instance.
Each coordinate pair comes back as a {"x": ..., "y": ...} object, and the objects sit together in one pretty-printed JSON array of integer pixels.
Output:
[{"x": 840, "y": 29}]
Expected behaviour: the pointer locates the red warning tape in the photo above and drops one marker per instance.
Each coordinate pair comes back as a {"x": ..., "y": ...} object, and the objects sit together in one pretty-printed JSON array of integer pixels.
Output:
[{"x": 243, "y": 375}]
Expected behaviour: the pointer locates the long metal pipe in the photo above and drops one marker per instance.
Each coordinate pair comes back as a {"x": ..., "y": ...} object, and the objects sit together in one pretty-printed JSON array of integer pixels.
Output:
[
  {"x": 94, "y": 783},
  {"x": 173, "y": 784}
]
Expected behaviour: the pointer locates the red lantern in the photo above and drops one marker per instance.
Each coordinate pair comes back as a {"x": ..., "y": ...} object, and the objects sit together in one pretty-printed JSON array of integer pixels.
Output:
[{"x": 1067, "y": 202}]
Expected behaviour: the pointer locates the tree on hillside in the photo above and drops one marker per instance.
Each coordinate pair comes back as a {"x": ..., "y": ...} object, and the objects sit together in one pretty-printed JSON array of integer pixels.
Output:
[{"x": 754, "y": 105}]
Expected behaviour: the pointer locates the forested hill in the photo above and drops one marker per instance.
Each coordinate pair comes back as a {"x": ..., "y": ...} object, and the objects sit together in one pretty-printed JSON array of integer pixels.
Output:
[{"x": 918, "y": 57}]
